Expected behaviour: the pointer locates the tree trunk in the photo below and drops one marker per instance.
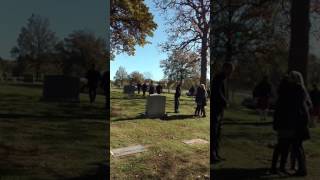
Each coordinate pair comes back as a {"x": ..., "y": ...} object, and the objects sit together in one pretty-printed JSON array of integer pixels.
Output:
[
  {"x": 204, "y": 62},
  {"x": 299, "y": 42}
]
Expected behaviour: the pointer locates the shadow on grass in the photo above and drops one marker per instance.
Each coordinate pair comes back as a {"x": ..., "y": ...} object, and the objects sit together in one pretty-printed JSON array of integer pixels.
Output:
[
  {"x": 233, "y": 122},
  {"x": 241, "y": 173},
  {"x": 177, "y": 117},
  {"x": 100, "y": 174},
  {"x": 50, "y": 116}
]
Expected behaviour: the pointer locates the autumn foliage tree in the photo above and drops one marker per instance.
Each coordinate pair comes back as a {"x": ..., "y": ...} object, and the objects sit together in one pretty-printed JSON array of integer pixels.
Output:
[
  {"x": 130, "y": 24},
  {"x": 188, "y": 28}
]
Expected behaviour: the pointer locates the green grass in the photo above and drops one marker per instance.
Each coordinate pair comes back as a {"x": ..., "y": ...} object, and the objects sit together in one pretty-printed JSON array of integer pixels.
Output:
[
  {"x": 247, "y": 146},
  {"x": 47, "y": 140},
  {"x": 167, "y": 157}
]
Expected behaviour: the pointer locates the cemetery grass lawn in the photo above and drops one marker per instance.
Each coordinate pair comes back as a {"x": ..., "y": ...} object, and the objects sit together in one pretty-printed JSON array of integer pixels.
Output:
[
  {"x": 40, "y": 140},
  {"x": 167, "y": 157},
  {"x": 247, "y": 146}
]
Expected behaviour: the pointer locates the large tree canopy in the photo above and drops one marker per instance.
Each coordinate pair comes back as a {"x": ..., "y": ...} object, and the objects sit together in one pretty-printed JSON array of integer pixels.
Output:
[
  {"x": 81, "y": 49},
  {"x": 36, "y": 43},
  {"x": 131, "y": 23},
  {"x": 188, "y": 22}
]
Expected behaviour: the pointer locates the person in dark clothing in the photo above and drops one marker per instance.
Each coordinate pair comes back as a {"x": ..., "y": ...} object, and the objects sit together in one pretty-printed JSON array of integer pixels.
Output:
[
  {"x": 177, "y": 98},
  {"x": 262, "y": 93},
  {"x": 291, "y": 118},
  {"x": 159, "y": 89},
  {"x": 315, "y": 98},
  {"x": 151, "y": 88},
  {"x": 201, "y": 100},
  {"x": 144, "y": 88},
  {"x": 219, "y": 103},
  {"x": 93, "y": 77},
  {"x": 139, "y": 87}
]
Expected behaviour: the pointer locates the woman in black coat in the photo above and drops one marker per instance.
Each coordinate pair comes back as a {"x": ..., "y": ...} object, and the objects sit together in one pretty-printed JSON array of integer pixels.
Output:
[
  {"x": 291, "y": 121},
  {"x": 201, "y": 100}
]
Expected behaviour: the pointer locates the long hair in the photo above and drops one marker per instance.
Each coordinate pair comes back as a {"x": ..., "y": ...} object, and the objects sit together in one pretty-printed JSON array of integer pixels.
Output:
[{"x": 298, "y": 79}]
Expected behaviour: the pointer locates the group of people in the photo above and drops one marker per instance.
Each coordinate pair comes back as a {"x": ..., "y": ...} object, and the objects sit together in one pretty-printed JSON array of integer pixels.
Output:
[
  {"x": 293, "y": 110},
  {"x": 151, "y": 89}
]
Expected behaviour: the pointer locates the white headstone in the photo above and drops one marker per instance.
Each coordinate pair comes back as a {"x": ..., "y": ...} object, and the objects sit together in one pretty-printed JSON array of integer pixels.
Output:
[{"x": 156, "y": 106}]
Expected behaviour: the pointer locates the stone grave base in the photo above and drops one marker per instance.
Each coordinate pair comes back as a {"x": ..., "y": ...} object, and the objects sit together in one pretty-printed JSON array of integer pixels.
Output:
[
  {"x": 127, "y": 150},
  {"x": 195, "y": 141}
]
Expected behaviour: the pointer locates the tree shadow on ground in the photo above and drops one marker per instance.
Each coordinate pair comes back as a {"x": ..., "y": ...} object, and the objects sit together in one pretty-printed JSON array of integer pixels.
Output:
[
  {"x": 100, "y": 174},
  {"x": 228, "y": 121},
  {"x": 242, "y": 174}
]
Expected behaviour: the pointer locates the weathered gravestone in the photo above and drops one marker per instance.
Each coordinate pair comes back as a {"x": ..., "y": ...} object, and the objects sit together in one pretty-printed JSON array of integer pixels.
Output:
[
  {"x": 128, "y": 89},
  {"x": 127, "y": 150},
  {"x": 156, "y": 106},
  {"x": 61, "y": 88},
  {"x": 195, "y": 141}
]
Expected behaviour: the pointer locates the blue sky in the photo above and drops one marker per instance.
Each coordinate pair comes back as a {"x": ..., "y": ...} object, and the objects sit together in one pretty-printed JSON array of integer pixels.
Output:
[
  {"x": 147, "y": 58},
  {"x": 65, "y": 16}
]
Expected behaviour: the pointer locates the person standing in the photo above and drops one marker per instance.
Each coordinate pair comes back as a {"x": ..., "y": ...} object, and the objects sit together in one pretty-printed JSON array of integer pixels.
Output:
[
  {"x": 139, "y": 87},
  {"x": 93, "y": 76},
  {"x": 219, "y": 102},
  {"x": 301, "y": 105},
  {"x": 201, "y": 100},
  {"x": 151, "y": 88},
  {"x": 159, "y": 88},
  {"x": 177, "y": 95},
  {"x": 144, "y": 88},
  {"x": 262, "y": 93}
]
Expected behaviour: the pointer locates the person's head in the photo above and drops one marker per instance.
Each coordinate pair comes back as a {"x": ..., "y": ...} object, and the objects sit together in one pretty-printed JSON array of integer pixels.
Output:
[
  {"x": 227, "y": 68},
  {"x": 296, "y": 77}
]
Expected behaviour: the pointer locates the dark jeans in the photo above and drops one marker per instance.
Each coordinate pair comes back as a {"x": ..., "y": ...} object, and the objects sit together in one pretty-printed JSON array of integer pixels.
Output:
[
  {"x": 92, "y": 94},
  {"x": 176, "y": 104},
  {"x": 216, "y": 131},
  {"x": 299, "y": 154},
  {"x": 282, "y": 150}
]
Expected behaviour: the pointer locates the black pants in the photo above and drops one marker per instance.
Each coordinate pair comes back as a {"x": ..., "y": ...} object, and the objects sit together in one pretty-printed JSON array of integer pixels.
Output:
[
  {"x": 281, "y": 150},
  {"x": 197, "y": 112},
  {"x": 176, "y": 104},
  {"x": 299, "y": 154},
  {"x": 92, "y": 94},
  {"x": 203, "y": 110},
  {"x": 144, "y": 93},
  {"x": 216, "y": 127}
]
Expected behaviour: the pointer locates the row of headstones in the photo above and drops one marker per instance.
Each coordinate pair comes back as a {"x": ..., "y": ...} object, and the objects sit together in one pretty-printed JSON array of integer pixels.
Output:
[{"x": 130, "y": 150}]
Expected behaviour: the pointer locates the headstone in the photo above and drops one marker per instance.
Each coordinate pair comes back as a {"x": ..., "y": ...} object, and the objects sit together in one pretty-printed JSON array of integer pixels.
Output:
[
  {"x": 61, "y": 88},
  {"x": 127, "y": 150},
  {"x": 156, "y": 106},
  {"x": 128, "y": 89},
  {"x": 195, "y": 141}
]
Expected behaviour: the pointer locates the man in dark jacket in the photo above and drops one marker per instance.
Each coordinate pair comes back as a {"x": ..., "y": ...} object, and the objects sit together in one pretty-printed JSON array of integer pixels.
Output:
[
  {"x": 139, "y": 87},
  {"x": 93, "y": 77},
  {"x": 151, "y": 88},
  {"x": 159, "y": 88},
  {"x": 219, "y": 103},
  {"x": 177, "y": 98},
  {"x": 144, "y": 88}
]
